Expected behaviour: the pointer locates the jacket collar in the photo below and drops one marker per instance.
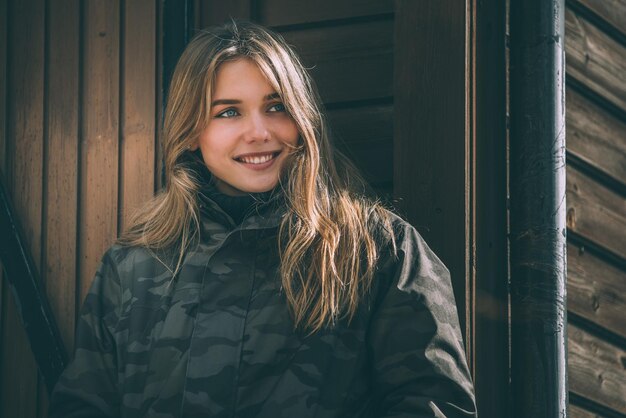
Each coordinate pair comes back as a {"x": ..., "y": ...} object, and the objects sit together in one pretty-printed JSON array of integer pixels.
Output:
[{"x": 266, "y": 211}]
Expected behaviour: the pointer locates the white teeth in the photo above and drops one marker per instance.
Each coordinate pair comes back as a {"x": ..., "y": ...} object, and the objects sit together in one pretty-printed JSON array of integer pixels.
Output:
[{"x": 257, "y": 160}]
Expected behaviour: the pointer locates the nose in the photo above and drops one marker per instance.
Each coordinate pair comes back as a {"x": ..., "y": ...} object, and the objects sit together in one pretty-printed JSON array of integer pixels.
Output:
[{"x": 257, "y": 129}]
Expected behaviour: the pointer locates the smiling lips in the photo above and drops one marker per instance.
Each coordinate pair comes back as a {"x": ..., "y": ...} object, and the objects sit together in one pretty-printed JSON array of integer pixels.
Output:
[{"x": 257, "y": 158}]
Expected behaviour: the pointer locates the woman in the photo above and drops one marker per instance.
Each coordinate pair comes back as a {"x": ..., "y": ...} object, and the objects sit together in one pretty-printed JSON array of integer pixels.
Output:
[{"x": 261, "y": 282}]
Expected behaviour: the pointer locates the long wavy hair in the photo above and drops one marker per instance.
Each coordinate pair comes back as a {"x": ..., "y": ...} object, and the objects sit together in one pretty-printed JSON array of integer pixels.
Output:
[{"x": 332, "y": 238}]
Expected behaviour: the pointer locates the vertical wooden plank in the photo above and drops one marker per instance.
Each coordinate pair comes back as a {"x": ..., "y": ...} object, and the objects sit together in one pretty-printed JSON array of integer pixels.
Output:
[
  {"x": 3, "y": 144},
  {"x": 99, "y": 136},
  {"x": 25, "y": 156},
  {"x": 138, "y": 130},
  {"x": 431, "y": 133},
  {"x": 61, "y": 193},
  {"x": 490, "y": 348},
  {"x": 62, "y": 170},
  {"x": 160, "y": 107},
  {"x": 3, "y": 90}
]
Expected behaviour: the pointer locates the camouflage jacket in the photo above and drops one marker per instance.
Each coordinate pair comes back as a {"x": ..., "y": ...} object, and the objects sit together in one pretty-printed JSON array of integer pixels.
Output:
[{"x": 218, "y": 340}]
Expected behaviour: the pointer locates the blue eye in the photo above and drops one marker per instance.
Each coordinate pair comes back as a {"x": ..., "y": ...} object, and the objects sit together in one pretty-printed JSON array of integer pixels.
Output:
[
  {"x": 278, "y": 107},
  {"x": 228, "y": 113}
]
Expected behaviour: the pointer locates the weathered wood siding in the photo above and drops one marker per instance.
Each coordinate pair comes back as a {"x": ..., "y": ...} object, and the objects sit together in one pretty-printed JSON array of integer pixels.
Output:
[
  {"x": 77, "y": 151},
  {"x": 595, "y": 40}
]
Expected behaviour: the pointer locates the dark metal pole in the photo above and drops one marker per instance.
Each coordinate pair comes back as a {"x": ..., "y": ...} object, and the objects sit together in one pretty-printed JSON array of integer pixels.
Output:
[{"x": 537, "y": 197}]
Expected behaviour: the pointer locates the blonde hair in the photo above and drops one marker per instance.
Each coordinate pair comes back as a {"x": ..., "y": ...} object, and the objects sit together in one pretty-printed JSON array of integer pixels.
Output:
[{"x": 331, "y": 240}]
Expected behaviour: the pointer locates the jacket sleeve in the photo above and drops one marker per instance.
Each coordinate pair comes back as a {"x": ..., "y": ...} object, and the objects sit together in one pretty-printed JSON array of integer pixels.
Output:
[
  {"x": 415, "y": 343},
  {"x": 88, "y": 386}
]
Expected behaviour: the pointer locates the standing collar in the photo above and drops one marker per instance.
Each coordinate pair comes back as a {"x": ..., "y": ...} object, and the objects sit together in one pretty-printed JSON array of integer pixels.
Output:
[{"x": 251, "y": 211}]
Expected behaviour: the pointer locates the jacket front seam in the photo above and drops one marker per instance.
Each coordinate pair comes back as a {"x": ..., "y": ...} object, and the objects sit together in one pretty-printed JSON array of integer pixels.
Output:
[
  {"x": 243, "y": 333},
  {"x": 193, "y": 333}
]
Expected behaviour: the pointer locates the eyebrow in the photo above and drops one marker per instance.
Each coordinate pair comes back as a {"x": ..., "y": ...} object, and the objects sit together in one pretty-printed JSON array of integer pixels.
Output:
[{"x": 267, "y": 98}]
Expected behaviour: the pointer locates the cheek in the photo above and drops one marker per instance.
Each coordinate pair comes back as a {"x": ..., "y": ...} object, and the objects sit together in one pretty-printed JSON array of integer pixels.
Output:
[
  {"x": 209, "y": 143},
  {"x": 289, "y": 133}
]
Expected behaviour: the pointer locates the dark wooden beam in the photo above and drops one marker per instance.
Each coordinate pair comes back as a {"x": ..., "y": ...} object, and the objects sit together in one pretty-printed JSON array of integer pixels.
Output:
[
  {"x": 489, "y": 260},
  {"x": 178, "y": 24},
  {"x": 30, "y": 297},
  {"x": 431, "y": 139}
]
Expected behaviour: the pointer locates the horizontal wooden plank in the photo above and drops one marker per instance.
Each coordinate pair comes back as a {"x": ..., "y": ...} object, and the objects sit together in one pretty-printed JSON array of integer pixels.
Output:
[
  {"x": 613, "y": 11},
  {"x": 595, "y": 136},
  {"x": 596, "y": 212},
  {"x": 348, "y": 62},
  {"x": 596, "y": 290},
  {"x": 211, "y": 13},
  {"x": 596, "y": 369},
  {"x": 595, "y": 59},
  {"x": 362, "y": 124},
  {"x": 578, "y": 412},
  {"x": 365, "y": 134},
  {"x": 374, "y": 159},
  {"x": 289, "y": 12}
]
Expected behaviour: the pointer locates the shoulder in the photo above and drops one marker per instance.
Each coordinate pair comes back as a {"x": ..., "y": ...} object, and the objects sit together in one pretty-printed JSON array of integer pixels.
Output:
[
  {"x": 127, "y": 267},
  {"x": 125, "y": 258},
  {"x": 408, "y": 263},
  {"x": 401, "y": 240}
]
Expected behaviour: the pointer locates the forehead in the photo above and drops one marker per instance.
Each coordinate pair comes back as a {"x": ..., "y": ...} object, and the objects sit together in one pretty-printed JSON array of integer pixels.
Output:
[{"x": 241, "y": 76}]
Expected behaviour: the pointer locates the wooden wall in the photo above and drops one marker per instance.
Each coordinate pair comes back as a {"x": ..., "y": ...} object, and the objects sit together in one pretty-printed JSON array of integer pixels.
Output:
[
  {"x": 79, "y": 87},
  {"x": 595, "y": 40},
  {"x": 78, "y": 138},
  {"x": 78, "y": 112}
]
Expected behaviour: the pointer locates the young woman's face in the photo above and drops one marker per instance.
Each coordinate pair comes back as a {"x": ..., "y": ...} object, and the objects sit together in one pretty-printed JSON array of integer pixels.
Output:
[{"x": 245, "y": 143}]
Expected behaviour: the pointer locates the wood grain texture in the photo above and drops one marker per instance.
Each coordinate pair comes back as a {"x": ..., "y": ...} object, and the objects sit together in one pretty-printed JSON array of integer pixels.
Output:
[
  {"x": 99, "y": 136},
  {"x": 596, "y": 212},
  {"x": 365, "y": 134},
  {"x": 3, "y": 153},
  {"x": 595, "y": 59},
  {"x": 62, "y": 169},
  {"x": 211, "y": 13},
  {"x": 596, "y": 369},
  {"x": 138, "y": 129},
  {"x": 159, "y": 183},
  {"x": 595, "y": 136},
  {"x": 613, "y": 11},
  {"x": 25, "y": 129},
  {"x": 3, "y": 93},
  {"x": 430, "y": 129},
  {"x": 348, "y": 62},
  {"x": 596, "y": 290},
  {"x": 487, "y": 326},
  {"x": 578, "y": 412},
  {"x": 289, "y": 12}
]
